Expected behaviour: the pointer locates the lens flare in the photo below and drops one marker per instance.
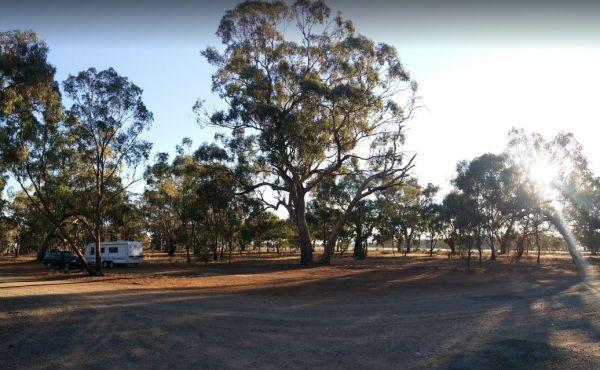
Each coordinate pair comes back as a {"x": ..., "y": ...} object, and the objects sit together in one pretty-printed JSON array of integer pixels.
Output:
[{"x": 544, "y": 175}]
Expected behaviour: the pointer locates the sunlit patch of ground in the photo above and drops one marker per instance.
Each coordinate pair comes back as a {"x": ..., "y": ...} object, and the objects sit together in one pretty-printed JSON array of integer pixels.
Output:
[{"x": 386, "y": 311}]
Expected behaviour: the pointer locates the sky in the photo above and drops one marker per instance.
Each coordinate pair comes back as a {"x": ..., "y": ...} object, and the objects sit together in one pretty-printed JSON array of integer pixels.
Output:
[{"x": 482, "y": 68}]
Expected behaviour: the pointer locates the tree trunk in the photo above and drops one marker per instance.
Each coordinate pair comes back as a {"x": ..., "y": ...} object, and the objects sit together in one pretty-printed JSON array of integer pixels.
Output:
[
  {"x": 359, "y": 246},
  {"x": 336, "y": 229},
  {"x": 503, "y": 246},
  {"x": 493, "y": 250},
  {"x": 470, "y": 244},
  {"x": 539, "y": 249},
  {"x": 43, "y": 207},
  {"x": 571, "y": 242},
  {"x": 171, "y": 247},
  {"x": 98, "y": 257},
  {"x": 329, "y": 248},
  {"x": 42, "y": 251},
  {"x": 98, "y": 214},
  {"x": 432, "y": 243},
  {"x": 66, "y": 237},
  {"x": 408, "y": 242},
  {"x": 452, "y": 245},
  {"x": 324, "y": 236},
  {"x": 479, "y": 247},
  {"x": 520, "y": 247},
  {"x": 306, "y": 250}
]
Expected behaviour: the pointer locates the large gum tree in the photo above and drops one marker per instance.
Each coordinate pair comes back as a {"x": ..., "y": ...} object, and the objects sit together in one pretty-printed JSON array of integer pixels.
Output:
[
  {"x": 546, "y": 165},
  {"x": 107, "y": 118},
  {"x": 34, "y": 148},
  {"x": 313, "y": 99}
]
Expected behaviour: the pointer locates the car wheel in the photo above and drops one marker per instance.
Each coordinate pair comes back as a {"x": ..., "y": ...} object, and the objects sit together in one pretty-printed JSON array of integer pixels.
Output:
[
  {"x": 104, "y": 264},
  {"x": 110, "y": 264}
]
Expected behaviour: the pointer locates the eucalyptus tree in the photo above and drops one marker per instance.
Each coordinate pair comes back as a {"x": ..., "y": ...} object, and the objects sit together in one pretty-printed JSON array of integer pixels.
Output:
[
  {"x": 429, "y": 212},
  {"x": 36, "y": 150},
  {"x": 462, "y": 224},
  {"x": 268, "y": 228},
  {"x": 3, "y": 179},
  {"x": 545, "y": 166},
  {"x": 192, "y": 200},
  {"x": 186, "y": 171},
  {"x": 364, "y": 221},
  {"x": 388, "y": 221},
  {"x": 160, "y": 208},
  {"x": 514, "y": 205},
  {"x": 125, "y": 221},
  {"x": 410, "y": 204},
  {"x": 171, "y": 201},
  {"x": 5, "y": 224},
  {"x": 450, "y": 215},
  {"x": 494, "y": 185},
  {"x": 220, "y": 208},
  {"x": 402, "y": 213},
  {"x": 107, "y": 117},
  {"x": 583, "y": 209},
  {"x": 315, "y": 99},
  {"x": 434, "y": 224},
  {"x": 329, "y": 200},
  {"x": 470, "y": 222},
  {"x": 324, "y": 209},
  {"x": 31, "y": 231}
]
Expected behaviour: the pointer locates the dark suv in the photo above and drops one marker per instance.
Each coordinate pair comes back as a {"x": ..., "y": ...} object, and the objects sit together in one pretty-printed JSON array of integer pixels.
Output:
[{"x": 60, "y": 259}]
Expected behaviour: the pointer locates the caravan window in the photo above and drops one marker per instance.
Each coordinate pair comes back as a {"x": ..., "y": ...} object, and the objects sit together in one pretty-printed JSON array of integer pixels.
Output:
[
  {"x": 102, "y": 250},
  {"x": 92, "y": 250},
  {"x": 113, "y": 249}
]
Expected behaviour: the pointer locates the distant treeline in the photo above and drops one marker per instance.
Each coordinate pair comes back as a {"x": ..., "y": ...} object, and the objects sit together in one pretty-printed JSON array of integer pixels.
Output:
[{"x": 315, "y": 116}]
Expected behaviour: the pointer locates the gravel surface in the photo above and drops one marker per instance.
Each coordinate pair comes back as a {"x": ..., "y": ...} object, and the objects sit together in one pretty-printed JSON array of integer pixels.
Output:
[{"x": 381, "y": 313}]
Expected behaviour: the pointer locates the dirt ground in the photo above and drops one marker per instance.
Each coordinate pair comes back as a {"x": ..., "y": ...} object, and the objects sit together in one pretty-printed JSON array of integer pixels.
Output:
[{"x": 384, "y": 312}]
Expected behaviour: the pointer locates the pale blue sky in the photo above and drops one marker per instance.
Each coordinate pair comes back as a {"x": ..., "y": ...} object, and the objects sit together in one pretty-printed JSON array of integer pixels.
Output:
[{"x": 481, "y": 70}]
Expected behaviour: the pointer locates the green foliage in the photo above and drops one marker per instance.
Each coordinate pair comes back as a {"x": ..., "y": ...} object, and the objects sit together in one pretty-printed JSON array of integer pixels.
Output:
[
  {"x": 106, "y": 119},
  {"x": 69, "y": 165},
  {"x": 583, "y": 208},
  {"x": 28, "y": 92},
  {"x": 316, "y": 128},
  {"x": 34, "y": 148},
  {"x": 304, "y": 106},
  {"x": 267, "y": 228},
  {"x": 194, "y": 201},
  {"x": 404, "y": 214}
]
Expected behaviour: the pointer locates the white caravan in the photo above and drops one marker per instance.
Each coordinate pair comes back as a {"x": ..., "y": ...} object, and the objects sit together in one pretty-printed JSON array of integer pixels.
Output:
[{"x": 116, "y": 253}]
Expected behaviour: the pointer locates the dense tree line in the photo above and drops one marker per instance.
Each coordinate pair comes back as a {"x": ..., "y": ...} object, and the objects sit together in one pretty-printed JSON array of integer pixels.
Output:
[{"x": 315, "y": 128}]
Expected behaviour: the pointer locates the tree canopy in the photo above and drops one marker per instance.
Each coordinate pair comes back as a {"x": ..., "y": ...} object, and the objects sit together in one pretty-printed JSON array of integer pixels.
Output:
[
  {"x": 318, "y": 105},
  {"x": 314, "y": 119}
]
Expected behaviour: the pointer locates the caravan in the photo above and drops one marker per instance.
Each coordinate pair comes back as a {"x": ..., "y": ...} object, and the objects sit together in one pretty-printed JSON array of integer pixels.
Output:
[{"x": 121, "y": 253}]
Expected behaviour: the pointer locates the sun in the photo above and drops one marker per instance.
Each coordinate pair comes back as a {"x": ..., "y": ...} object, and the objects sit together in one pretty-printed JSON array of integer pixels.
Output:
[{"x": 544, "y": 174}]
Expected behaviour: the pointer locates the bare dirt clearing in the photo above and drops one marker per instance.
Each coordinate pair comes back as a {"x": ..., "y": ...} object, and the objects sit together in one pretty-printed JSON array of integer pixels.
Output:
[{"x": 379, "y": 313}]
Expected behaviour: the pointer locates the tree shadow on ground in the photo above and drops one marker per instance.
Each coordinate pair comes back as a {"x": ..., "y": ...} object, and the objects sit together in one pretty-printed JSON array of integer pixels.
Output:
[
  {"x": 527, "y": 336},
  {"x": 518, "y": 354},
  {"x": 415, "y": 316}
]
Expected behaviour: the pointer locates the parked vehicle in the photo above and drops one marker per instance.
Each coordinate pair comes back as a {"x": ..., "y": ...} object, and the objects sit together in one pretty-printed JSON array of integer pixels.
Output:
[
  {"x": 60, "y": 259},
  {"x": 118, "y": 253}
]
